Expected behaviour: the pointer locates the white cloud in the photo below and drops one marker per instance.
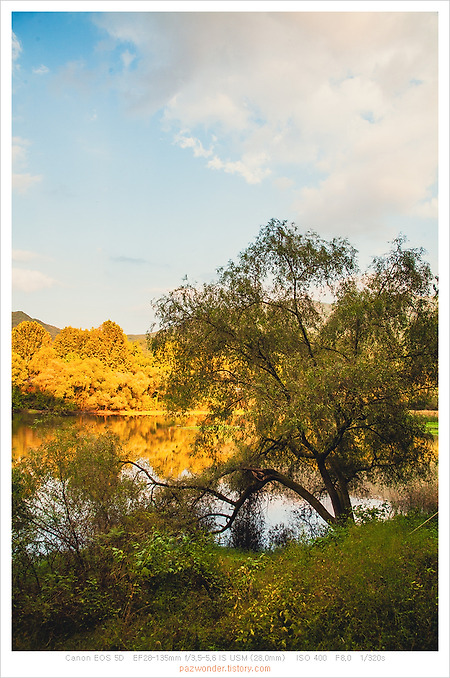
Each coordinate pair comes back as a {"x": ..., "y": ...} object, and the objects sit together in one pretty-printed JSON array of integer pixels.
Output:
[
  {"x": 127, "y": 58},
  {"x": 75, "y": 77},
  {"x": 283, "y": 183},
  {"x": 347, "y": 96},
  {"x": 184, "y": 141},
  {"x": 251, "y": 168},
  {"x": 16, "y": 47},
  {"x": 19, "y": 151},
  {"x": 22, "y": 182},
  {"x": 26, "y": 280},
  {"x": 23, "y": 255},
  {"x": 41, "y": 70},
  {"x": 428, "y": 209}
]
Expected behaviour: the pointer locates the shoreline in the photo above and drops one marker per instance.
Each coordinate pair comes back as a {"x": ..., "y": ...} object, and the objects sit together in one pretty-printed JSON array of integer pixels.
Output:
[
  {"x": 112, "y": 413},
  {"x": 165, "y": 413}
]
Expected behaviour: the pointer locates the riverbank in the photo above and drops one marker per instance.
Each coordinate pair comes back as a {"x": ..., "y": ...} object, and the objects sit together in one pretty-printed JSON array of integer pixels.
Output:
[
  {"x": 432, "y": 414},
  {"x": 116, "y": 413},
  {"x": 367, "y": 587}
]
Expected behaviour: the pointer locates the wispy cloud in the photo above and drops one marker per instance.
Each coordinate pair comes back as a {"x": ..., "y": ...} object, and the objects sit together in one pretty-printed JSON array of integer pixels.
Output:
[
  {"x": 184, "y": 141},
  {"x": 75, "y": 77},
  {"x": 251, "y": 167},
  {"x": 19, "y": 151},
  {"x": 27, "y": 280},
  {"x": 127, "y": 58},
  {"x": 24, "y": 255},
  {"x": 22, "y": 181},
  {"x": 41, "y": 70},
  {"x": 16, "y": 47},
  {"x": 350, "y": 98}
]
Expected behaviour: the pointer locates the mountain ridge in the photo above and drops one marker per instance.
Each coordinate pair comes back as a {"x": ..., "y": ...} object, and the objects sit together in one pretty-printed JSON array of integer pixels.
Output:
[{"x": 20, "y": 317}]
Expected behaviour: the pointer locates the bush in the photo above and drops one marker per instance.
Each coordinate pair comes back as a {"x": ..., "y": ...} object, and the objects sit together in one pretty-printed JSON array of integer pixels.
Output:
[
  {"x": 180, "y": 562},
  {"x": 96, "y": 568},
  {"x": 367, "y": 587}
]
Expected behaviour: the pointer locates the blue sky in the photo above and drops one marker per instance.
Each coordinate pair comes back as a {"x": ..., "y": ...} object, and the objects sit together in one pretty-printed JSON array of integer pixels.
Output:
[{"x": 152, "y": 145}]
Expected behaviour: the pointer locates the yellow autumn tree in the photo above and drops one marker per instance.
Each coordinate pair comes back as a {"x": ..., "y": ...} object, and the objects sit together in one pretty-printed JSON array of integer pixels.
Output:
[
  {"x": 97, "y": 369},
  {"x": 27, "y": 338},
  {"x": 70, "y": 342}
]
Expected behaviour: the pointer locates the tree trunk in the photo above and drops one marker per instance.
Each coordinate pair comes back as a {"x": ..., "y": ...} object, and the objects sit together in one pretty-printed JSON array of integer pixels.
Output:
[
  {"x": 344, "y": 496},
  {"x": 335, "y": 496},
  {"x": 275, "y": 476}
]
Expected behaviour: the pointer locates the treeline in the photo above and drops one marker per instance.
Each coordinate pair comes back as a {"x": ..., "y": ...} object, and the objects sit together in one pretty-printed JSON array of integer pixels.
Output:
[{"x": 97, "y": 369}]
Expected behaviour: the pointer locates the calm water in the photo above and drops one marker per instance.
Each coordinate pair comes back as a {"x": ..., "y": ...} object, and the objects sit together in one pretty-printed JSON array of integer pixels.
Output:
[
  {"x": 160, "y": 441},
  {"x": 165, "y": 445}
]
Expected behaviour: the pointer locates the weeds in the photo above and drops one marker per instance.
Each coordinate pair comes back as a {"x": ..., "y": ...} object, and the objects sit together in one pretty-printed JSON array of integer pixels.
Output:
[
  {"x": 370, "y": 586},
  {"x": 138, "y": 582}
]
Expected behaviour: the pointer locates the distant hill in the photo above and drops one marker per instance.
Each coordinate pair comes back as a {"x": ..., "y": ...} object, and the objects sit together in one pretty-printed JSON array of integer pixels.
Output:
[
  {"x": 140, "y": 338},
  {"x": 20, "y": 317}
]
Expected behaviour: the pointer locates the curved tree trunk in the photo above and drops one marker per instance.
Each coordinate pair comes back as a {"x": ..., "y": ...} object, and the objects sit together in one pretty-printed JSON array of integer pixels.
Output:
[
  {"x": 262, "y": 477},
  {"x": 344, "y": 496},
  {"x": 271, "y": 475}
]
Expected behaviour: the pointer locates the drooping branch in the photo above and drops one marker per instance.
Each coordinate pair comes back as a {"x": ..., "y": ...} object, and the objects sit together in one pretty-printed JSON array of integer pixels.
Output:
[
  {"x": 180, "y": 486},
  {"x": 262, "y": 477},
  {"x": 248, "y": 492},
  {"x": 271, "y": 475}
]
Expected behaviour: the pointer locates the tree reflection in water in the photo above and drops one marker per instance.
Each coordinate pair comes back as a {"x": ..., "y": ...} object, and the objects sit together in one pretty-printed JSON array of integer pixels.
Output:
[{"x": 165, "y": 444}]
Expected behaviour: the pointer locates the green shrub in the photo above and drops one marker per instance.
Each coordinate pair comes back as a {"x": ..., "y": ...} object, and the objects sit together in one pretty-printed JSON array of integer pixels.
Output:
[
  {"x": 366, "y": 587},
  {"x": 140, "y": 586},
  {"x": 177, "y": 561}
]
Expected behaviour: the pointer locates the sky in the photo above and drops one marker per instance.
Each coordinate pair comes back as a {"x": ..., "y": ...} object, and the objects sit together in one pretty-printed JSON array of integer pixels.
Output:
[{"x": 152, "y": 145}]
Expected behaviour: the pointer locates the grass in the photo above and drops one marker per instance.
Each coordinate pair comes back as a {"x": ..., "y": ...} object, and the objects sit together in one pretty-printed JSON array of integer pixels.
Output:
[
  {"x": 432, "y": 426},
  {"x": 367, "y": 587}
]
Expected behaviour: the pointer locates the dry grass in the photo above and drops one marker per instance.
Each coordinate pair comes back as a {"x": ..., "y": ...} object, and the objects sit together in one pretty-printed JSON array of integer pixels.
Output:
[{"x": 420, "y": 494}]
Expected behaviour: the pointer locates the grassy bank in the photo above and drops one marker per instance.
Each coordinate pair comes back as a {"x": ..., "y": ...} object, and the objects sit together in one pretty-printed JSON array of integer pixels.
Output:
[{"x": 371, "y": 586}]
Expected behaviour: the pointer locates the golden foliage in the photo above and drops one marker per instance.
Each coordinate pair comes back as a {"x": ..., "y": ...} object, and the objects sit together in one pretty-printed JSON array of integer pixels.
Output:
[{"x": 97, "y": 369}]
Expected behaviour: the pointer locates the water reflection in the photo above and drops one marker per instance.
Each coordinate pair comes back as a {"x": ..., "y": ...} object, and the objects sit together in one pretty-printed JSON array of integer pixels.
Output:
[
  {"x": 166, "y": 445},
  {"x": 163, "y": 442}
]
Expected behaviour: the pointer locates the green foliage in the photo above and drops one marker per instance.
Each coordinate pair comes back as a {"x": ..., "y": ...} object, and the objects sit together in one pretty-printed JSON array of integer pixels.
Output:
[
  {"x": 166, "y": 560},
  {"x": 360, "y": 588},
  {"x": 75, "y": 488},
  {"x": 432, "y": 426},
  {"x": 326, "y": 392},
  {"x": 60, "y": 599},
  {"x": 39, "y": 400},
  {"x": 369, "y": 587}
]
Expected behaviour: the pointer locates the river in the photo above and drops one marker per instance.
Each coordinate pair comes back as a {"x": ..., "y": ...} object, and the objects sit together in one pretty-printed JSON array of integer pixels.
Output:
[{"x": 165, "y": 444}]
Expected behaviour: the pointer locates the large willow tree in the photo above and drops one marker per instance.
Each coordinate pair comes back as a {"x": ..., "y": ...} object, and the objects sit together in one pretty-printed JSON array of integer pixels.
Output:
[{"x": 326, "y": 388}]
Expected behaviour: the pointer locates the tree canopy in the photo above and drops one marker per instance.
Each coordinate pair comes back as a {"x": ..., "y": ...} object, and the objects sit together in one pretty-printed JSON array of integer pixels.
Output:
[
  {"x": 28, "y": 338},
  {"x": 84, "y": 369},
  {"x": 324, "y": 388}
]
